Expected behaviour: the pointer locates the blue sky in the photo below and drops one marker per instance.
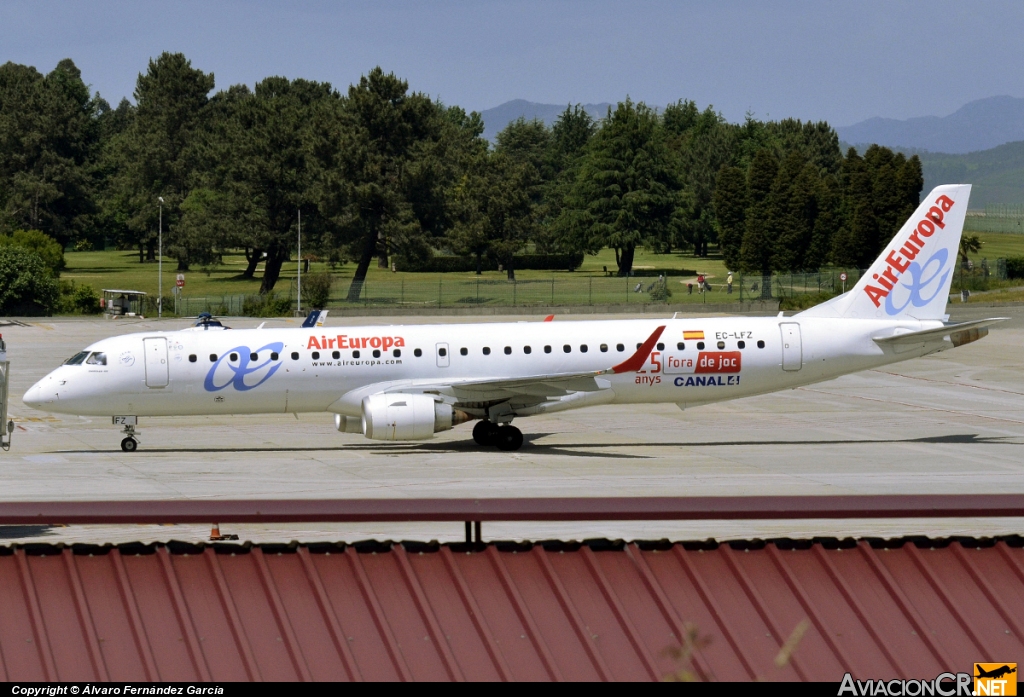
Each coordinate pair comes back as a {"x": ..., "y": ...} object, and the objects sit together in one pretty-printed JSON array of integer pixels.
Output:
[{"x": 840, "y": 61}]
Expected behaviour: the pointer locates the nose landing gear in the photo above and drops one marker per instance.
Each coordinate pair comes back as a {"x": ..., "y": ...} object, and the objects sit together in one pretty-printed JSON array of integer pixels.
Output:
[
  {"x": 505, "y": 437},
  {"x": 129, "y": 443}
]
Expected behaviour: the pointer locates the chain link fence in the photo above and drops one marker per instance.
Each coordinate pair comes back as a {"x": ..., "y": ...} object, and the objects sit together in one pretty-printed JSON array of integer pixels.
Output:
[
  {"x": 445, "y": 291},
  {"x": 1005, "y": 218}
]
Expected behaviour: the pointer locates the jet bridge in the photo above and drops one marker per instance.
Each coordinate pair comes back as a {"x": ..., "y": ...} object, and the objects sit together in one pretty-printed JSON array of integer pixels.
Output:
[{"x": 6, "y": 427}]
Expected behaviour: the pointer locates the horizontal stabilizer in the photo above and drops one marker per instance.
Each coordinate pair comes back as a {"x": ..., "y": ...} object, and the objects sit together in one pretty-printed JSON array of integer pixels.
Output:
[{"x": 956, "y": 332}]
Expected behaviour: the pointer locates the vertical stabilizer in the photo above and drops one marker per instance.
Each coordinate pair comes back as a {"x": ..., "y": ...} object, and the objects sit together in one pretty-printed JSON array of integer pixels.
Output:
[{"x": 912, "y": 277}]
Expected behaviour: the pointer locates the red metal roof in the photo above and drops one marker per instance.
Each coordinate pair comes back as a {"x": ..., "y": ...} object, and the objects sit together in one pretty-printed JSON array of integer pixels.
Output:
[{"x": 515, "y": 612}]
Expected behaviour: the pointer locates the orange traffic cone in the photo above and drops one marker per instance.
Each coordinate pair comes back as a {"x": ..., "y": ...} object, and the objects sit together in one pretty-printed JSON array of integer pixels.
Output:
[{"x": 215, "y": 534}]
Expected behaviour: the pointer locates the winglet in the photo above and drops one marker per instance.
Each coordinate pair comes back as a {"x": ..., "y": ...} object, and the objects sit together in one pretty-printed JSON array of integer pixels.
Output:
[
  {"x": 637, "y": 360},
  {"x": 549, "y": 318}
]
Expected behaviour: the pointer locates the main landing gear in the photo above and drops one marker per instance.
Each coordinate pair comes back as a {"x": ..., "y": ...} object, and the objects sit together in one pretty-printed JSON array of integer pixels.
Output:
[{"x": 505, "y": 437}]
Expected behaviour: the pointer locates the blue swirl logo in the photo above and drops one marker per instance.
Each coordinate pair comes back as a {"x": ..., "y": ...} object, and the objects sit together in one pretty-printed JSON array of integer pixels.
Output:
[
  {"x": 236, "y": 373},
  {"x": 930, "y": 276}
]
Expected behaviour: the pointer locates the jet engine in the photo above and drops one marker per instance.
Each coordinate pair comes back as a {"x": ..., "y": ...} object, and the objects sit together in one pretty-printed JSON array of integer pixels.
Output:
[{"x": 399, "y": 416}]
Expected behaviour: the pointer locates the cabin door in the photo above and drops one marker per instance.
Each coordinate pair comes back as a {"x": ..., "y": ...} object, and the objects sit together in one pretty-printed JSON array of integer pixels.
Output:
[
  {"x": 156, "y": 362},
  {"x": 792, "y": 346}
]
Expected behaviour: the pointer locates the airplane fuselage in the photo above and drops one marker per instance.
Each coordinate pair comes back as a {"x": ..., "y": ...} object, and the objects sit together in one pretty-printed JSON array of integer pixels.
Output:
[{"x": 252, "y": 371}]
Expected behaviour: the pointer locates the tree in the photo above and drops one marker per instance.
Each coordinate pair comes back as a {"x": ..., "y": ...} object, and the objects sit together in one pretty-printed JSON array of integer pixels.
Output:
[
  {"x": 757, "y": 249},
  {"x": 49, "y": 251},
  {"x": 267, "y": 170},
  {"x": 730, "y": 204},
  {"x": 626, "y": 191},
  {"x": 153, "y": 156},
  {"x": 856, "y": 242},
  {"x": 374, "y": 152},
  {"x": 48, "y": 139},
  {"x": 969, "y": 244},
  {"x": 27, "y": 287},
  {"x": 703, "y": 143}
]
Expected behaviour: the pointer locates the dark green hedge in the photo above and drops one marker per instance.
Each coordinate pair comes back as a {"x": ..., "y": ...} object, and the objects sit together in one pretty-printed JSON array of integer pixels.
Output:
[
  {"x": 1015, "y": 267},
  {"x": 522, "y": 262}
]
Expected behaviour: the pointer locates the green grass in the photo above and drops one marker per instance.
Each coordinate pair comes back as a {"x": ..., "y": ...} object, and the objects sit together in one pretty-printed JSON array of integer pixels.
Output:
[
  {"x": 998, "y": 246},
  {"x": 590, "y": 284}
]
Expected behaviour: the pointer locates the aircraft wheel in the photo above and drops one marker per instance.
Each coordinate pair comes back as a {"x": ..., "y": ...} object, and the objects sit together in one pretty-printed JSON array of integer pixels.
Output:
[
  {"x": 509, "y": 438},
  {"x": 484, "y": 432},
  {"x": 129, "y": 445}
]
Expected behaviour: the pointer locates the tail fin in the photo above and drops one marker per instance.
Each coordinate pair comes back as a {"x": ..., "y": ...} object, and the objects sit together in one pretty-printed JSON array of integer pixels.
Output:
[{"x": 911, "y": 278}]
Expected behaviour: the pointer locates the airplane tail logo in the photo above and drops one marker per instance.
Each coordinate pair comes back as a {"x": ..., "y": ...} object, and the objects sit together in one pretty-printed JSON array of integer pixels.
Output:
[{"x": 913, "y": 275}]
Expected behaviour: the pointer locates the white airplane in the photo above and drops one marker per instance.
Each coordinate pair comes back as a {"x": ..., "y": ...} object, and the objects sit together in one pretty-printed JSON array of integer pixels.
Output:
[{"x": 406, "y": 383}]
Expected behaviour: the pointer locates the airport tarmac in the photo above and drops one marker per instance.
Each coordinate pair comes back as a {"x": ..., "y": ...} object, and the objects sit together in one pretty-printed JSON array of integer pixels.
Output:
[{"x": 948, "y": 423}]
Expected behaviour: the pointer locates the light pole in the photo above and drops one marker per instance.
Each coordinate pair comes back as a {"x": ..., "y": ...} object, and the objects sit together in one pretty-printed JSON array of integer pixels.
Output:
[
  {"x": 160, "y": 263},
  {"x": 299, "y": 283}
]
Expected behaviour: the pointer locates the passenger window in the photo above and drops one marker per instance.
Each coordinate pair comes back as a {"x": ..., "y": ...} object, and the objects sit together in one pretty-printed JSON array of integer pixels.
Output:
[
  {"x": 295, "y": 355},
  {"x": 547, "y": 349},
  {"x": 316, "y": 355},
  {"x": 77, "y": 358},
  {"x": 567, "y": 348},
  {"x": 508, "y": 350},
  {"x": 376, "y": 353},
  {"x": 700, "y": 345},
  {"x": 760, "y": 344},
  {"x": 527, "y": 349},
  {"x": 620, "y": 348},
  {"x": 661, "y": 347},
  {"x": 192, "y": 358},
  {"x": 440, "y": 352},
  {"x": 97, "y": 359},
  {"x": 487, "y": 351},
  {"x": 254, "y": 357},
  {"x": 583, "y": 348},
  {"x": 604, "y": 348},
  {"x": 463, "y": 351},
  {"x": 417, "y": 353},
  {"x": 680, "y": 346},
  {"x": 213, "y": 358},
  {"x": 721, "y": 345},
  {"x": 741, "y": 344},
  {"x": 233, "y": 357},
  {"x": 355, "y": 354},
  {"x": 335, "y": 354},
  {"x": 397, "y": 353},
  {"x": 274, "y": 356}
]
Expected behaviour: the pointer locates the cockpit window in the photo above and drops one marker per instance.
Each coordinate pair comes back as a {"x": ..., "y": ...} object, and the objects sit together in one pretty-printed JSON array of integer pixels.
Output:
[
  {"x": 77, "y": 358},
  {"x": 97, "y": 359}
]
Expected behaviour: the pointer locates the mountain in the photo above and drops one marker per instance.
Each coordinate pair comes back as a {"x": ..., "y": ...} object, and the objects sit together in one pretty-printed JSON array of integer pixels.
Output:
[
  {"x": 978, "y": 125},
  {"x": 997, "y": 173},
  {"x": 502, "y": 115}
]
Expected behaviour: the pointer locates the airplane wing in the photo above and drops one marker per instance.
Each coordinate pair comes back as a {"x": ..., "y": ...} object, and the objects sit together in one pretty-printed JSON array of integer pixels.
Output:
[
  {"x": 937, "y": 334},
  {"x": 530, "y": 389}
]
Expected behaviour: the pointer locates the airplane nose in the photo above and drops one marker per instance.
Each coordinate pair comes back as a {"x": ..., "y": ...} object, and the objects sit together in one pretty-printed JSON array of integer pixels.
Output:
[{"x": 34, "y": 397}]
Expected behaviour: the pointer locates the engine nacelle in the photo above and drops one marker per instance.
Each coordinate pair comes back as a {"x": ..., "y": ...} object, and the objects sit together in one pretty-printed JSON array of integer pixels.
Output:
[{"x": 401, "y": 416}]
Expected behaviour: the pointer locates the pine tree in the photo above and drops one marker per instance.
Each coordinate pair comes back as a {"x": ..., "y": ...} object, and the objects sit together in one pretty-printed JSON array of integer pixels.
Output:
[
  {"x": 758, "y": 246},
  {"x": 856, "y": 242},
  {"x": 730, "y": 203},
  {"x": 626, "y": 191}
]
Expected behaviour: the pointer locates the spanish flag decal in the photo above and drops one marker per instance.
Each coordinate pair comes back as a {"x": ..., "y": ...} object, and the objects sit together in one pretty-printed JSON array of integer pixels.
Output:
[{"x": 693, "y": 336}]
